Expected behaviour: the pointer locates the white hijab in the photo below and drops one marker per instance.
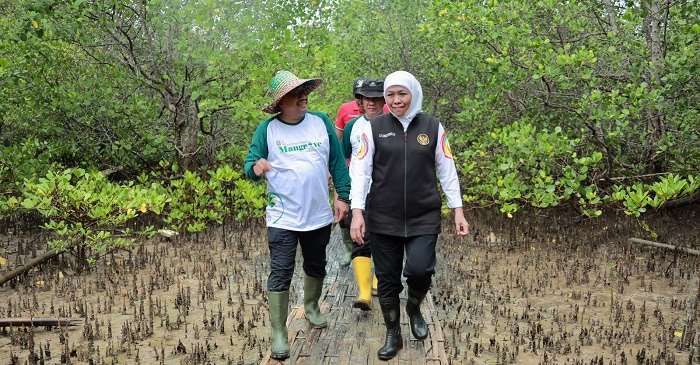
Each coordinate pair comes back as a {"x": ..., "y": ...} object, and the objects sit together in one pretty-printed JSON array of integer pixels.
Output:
[{"x": 405, "y": 79}]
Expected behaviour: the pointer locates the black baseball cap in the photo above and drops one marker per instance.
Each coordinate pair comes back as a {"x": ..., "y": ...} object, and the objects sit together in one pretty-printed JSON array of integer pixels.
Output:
[
  {"x": 357, "y": 84},
  {"x": 371, "y": 89}
]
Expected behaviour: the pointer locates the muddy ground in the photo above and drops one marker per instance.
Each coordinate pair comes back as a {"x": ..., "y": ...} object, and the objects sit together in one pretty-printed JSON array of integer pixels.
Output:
[
  {"x": 560, "y": 290},
  {"x": 539, "y": 291}
]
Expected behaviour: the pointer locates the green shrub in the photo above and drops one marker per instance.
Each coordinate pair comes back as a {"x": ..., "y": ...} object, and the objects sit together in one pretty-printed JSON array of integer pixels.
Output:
[
  {"x": 197, "y": 202},
  {"x": 519, "y": 164},
  {"x": 636, "y": 199},
  {"x": 85, "y": 210},
  {"x": 18, "y": 162}
]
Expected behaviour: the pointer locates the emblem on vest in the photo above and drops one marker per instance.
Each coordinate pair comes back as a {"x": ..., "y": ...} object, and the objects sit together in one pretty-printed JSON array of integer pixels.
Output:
[
  {"x": 423, "y": 139},
  {"x": 386, "y": 135}
]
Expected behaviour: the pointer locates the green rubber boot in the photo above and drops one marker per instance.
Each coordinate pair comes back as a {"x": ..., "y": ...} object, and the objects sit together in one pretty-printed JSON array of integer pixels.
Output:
[
  {"x": 312, "y": 294},
  {"x": 346, "y": 254},
  {"x": 279, "y": 304}
]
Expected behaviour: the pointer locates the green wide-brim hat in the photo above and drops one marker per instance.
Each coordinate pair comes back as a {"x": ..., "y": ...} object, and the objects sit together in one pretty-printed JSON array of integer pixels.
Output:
[{"x": 282, "y": 83}]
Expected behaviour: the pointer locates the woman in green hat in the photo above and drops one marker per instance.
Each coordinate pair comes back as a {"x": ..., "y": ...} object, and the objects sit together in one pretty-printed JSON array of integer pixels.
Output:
[{"x": 294, "y": 150}]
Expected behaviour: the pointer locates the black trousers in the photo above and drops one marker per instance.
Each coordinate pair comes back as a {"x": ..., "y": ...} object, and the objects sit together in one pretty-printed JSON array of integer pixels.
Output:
[
  {"x": 361, "y": 250},
  {"x": 388, "y": 254},
  {"x": 357, "y": 250},
  {"x": 283, "y": 250}
]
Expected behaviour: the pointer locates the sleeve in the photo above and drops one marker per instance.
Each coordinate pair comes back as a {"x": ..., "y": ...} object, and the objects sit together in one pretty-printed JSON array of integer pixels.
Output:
[
  {"x": 257, "y": 150},
  {"x": 361, "y": 163},
  {"x": 446, "y": 171},
  {"x": 340, "y": 119},
  {"x": 347, "y": 145},
  {"x": 336, "y": 162}
]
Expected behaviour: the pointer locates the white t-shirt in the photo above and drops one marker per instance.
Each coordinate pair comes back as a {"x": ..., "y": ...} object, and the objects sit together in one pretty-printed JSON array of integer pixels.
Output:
[{"x": 297, "y": 185}]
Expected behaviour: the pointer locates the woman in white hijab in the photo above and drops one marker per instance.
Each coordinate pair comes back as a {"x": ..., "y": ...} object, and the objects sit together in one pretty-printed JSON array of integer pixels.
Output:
[{"x": 404, "y": 155}]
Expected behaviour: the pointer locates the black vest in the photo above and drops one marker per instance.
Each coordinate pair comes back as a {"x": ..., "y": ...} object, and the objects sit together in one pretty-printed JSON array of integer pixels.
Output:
[{"x": 404, "y": 200}]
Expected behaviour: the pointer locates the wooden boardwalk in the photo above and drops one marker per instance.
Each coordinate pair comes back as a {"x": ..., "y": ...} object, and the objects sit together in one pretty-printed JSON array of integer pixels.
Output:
[{"x": 352, "y": 336}]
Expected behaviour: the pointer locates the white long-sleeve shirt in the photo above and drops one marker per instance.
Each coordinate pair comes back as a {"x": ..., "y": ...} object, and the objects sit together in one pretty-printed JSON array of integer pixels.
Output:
[{"x": 362, "y": 158}]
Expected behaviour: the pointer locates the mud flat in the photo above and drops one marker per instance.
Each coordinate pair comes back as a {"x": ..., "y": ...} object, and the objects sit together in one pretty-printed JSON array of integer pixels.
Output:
[
  {"x": 552, "y": 290},
  {"x": 188, "y": 300},
  {"x": 538, "y": 290}
]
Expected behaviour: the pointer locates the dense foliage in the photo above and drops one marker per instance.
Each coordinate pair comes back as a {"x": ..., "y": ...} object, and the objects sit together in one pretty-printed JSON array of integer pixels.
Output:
[
  {"x": 85, "y": 209},
  {"x": 591, "y": 103}
]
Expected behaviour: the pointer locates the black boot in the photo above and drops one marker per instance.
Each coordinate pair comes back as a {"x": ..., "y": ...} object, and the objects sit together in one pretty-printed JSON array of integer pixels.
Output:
[
  {"x": 393, "y": 341},
  {"x": 418, "y": 326}
]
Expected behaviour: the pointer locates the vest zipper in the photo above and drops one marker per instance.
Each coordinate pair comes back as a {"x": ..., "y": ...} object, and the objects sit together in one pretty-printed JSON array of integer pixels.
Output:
[{"x": 405, "y": 173}]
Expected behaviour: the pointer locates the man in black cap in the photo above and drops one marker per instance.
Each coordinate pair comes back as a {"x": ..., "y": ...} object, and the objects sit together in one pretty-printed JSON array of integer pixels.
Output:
[
  {"x": 371, "y": 99},
  {"x": 347, "y": 112}
]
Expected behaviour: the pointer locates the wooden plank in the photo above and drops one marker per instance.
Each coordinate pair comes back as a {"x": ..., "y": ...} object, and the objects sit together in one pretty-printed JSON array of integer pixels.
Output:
[
  {"x": 354, "y": 336},
  {"x": 358, "y": 354},
  {"x": 312, "y": 337},
  {"x": 318, "y": 351},
  {"x": 438, "y": 334},
  {"x": 40, "y": 322},
  {"x": 345, "y": 349},
  {"x": 418, "y": 357},
  {"x": 404, "y": 355},
  {"x": 301, "y": 360}
]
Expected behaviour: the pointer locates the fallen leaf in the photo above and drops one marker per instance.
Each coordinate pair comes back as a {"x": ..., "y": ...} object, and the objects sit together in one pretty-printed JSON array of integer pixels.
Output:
[{"x": 3, "y": 261}]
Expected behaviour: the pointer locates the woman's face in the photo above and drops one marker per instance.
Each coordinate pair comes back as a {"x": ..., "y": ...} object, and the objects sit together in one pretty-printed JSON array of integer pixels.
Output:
[{"x": 398, "y": 98}]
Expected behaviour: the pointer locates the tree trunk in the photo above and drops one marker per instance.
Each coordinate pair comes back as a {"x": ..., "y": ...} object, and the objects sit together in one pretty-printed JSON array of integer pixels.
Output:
[
  {"x": 656, "y": 127},
  {"x": 611, "y": 14},
  {"x": 187, "y": 132}
]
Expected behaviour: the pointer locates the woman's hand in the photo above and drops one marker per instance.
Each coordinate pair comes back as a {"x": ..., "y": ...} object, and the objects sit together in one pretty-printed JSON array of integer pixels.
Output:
[
  {"x": 357, "y": 227},
  {"x": 261, "y": 167},
  {"x": 461, "y": 225},
  {"x": 341, "y": 208}
]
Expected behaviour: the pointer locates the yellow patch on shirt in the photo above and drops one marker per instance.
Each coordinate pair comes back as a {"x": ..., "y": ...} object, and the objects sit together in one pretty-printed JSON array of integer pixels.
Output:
[
  {"x": 364, "y": 146},
  {"x": 446, "y": 146}
]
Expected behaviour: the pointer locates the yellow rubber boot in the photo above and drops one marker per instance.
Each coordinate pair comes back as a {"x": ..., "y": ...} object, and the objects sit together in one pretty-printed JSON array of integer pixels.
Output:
[
  {"x": 375, "y": 282},
  {"x": 362, "y": 266}
]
